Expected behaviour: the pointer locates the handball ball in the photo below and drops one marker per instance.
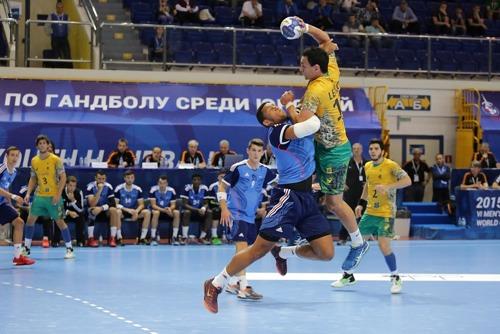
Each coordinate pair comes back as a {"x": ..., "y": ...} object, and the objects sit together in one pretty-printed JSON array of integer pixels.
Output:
[{"x": 290, "y": 28}]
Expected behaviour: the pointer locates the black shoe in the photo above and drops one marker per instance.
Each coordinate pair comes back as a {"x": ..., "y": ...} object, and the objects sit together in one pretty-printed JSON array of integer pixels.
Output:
[
  {"x": 281, "y": 265},
  {"x": 119, "y": 242},
  {"x": 144, "y": 242}
]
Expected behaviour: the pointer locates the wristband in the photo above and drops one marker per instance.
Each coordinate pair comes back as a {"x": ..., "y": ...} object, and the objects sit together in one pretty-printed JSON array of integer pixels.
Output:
[
  {"x": 119, "y": 206},
  {"x": 362, "y": 202},
  {"x": 14, "y": 197},
  {"x": 288, "y": 105},
  {"x": 221, "y": 196},
  {"x": 306, "y": 28},
  {"x": 105, "y": 207}
]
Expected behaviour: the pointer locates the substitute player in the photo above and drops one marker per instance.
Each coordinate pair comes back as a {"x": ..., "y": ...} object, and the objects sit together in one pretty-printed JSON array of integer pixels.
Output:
[
  {"x": 7, "y": 212},
  {"x": 293, "y": 203},
  {"x": 49, "y": 179},
  {"x": 383, "y": 177},
  {"x": 163, "y": 205},
  {"x": 246, "y": 180},
  {"x": 333, "y": 150}
]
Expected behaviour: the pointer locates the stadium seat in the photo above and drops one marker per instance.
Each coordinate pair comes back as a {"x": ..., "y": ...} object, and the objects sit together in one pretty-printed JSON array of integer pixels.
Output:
[
  {"x": 206, "y": 57},
  {"x": 223, "y": 47},
  {"x": 224, "y": 57},
  {"x": 194, "y": 36},
  {"x": 183, "y": 57},
  {"x": 247, "y": 58},
  {"x": 202, "y": 46},
  {"x": 268, "y": 59},
  {"x": 388, "y": 59},
  {"x": 224, "y": 15},
  {"x": 141, "y": 12},
  {"x": 288, "y": 59},
  {"x": 217, "y": 36}
]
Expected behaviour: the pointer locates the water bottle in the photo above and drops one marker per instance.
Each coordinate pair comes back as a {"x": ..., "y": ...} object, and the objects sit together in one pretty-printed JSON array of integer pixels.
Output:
[{"x": 81, "y": 161}]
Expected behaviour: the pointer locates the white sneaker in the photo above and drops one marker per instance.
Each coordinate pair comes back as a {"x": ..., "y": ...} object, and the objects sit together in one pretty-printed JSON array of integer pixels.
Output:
[
  {"x": 347, "y": 279},
  {"x": 69, "y": 254},
  {"x": 154, "y": 243},
  {"x": 396, "y": 284},
  {"x": 233, "y": 288}
]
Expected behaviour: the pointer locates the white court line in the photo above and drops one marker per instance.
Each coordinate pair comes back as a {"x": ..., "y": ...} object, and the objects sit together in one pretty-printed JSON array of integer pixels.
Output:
[
  {"x": 84, "y": 302},
  {"x": 376, "y": 277}
]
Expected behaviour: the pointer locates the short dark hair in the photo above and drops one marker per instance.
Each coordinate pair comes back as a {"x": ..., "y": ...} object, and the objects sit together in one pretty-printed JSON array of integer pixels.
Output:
[
  {"x": 100, "y": 172},
  {"x": 256, "y": 141},
  {"x": 10, "y": 149},
  {"x": 377, "y": 141},
  {"x": 128, "y": 172},
  {"x": 123, "y": 140},
  {"x": 71, "y": 178},
  {"x": 163, "y": 177},
  {"x": 42, "y": 137},
  {"x": 260, "y": 113},
  {"x": 317, "y": 56},
  {"x": 195, "y": 175}
]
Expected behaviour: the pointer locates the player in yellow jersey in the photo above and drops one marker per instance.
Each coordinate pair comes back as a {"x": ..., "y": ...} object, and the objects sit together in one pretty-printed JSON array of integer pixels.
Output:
[
  {"x": 332, "y": 147},
  {"x": 49, "y": 179},
  {"x": 383, "y": 178}
]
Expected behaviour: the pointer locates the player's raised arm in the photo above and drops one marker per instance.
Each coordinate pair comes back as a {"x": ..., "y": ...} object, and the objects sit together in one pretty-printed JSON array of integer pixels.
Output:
[{"x": 320, "y": 36}]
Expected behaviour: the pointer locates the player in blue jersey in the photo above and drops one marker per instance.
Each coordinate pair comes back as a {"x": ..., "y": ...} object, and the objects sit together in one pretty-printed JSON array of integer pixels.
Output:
[
  {"x": 102, "y": 208},
  {"x": 162, "y": 199},
  {"x": 130, "y": 204},
  {"x": 195, "y": 208},
  {"x": 292, "y": 201},
  {"x": 246, "y": 181},
  {"x": 8, "y": 214}
]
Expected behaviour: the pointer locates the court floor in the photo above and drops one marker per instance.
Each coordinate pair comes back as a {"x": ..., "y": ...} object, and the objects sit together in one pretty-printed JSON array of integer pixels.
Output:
[{"x": 449, "y": 287}]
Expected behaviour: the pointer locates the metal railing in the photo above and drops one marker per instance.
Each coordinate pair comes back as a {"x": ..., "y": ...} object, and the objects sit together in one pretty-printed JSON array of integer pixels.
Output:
[
  {"x": 42, "y": 23},
  {"x": 91, "y": 12},
  {"x": 12, "y": 36}
]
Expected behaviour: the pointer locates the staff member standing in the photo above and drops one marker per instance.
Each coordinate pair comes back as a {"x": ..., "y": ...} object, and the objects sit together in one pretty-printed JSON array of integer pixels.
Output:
[
  {"x": 441, "y": 175},
  {"x": 354, "y": 184},
  {"x": 416, "y": 170}
]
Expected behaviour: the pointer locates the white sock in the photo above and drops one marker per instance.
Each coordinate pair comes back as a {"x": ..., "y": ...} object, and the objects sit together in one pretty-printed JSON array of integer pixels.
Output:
[
  {"x": 214, "y": 232},
  {"x": 176, "y": 232},
  {"x": 144, "y": 232},
  {"x": 68, "y": 244},
  {"x": 286, "y": 252},
  {"x": 90, "y": 231},
  {"x": 113, "y": 231},
  {"x": 153, "y": 233},
  {"x": 234, "y": 280},
  {"x": 119, "y": 233},
  {"x": 356, "y": 238},
  {"x": 17, "y": 250},
  {"x": 185, "y": 230},
  {"x": 221, "y": 280},
  {"x": 27, "y": 243},
  {"x": 203, "y": 235},
  {"x": 394, "y": 273},
  {"x": 243, "y": 282}
]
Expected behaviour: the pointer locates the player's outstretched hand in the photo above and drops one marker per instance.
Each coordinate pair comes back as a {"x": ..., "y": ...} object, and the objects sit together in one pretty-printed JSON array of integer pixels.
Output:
[
  {"x": 27, "y": 199},
  {"x": 358, "y": 210},
  {"x": 225, "y": 218},
  {"x": 302, "y": 24},
  {"x": 19, "y": 200},
  {"x": 287, "y": 97}
]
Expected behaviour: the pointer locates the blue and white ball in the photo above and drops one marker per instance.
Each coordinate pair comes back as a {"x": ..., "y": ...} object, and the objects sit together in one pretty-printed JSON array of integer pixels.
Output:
[{"x": 290, "y": 28}]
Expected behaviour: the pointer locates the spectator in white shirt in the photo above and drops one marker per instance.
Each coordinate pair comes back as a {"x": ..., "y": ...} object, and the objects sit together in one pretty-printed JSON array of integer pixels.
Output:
[
  {"x": 187, "y": 11},
  {"x": 251, "y": 13}
]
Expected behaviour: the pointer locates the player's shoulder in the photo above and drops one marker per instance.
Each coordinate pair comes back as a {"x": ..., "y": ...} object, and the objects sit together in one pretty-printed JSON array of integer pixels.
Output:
[
  {"x": 213, "y": 185},
  {"x": 188, "y": 187},
  {"x": 171, "y": 189},
  {"x": 91, "y": 185},
  {"x": 368, "y": 164},
  {"x": 136, "y": 187},
  {"x": 203, "y": 187},
  {"x": 237, "y": 165},
  {"x": 54, "y": 157},
  {"x": 154, "y": 189},
  {"x": 108, "y": 185},
  {"x": 3, "y": 168},
  {"x": 120, "y": 187},
  {"x": 391, "y": 163}
]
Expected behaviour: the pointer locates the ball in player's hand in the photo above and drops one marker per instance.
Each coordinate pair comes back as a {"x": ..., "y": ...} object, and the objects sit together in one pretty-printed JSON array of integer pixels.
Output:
[{"x": 292, "y": 28}]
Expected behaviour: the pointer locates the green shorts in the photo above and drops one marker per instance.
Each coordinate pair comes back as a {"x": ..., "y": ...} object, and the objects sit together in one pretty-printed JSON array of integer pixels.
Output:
[
  {"x": 331, "y": 167},
  {"x": 42, "y": 207},
  {"x": 377, "y": 226}
]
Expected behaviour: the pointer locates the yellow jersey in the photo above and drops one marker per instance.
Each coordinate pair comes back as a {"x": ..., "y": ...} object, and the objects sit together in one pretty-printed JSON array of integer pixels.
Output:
[
  {"x": 387, "y": 172},
  {"x": 322, "y": 96},
  {"x": 47, "y": 173}
]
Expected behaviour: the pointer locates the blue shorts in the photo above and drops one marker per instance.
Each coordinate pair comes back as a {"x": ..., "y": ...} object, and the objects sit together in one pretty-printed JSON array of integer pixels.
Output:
[
  {"x": 242, "y": 231},
  {"x": 7, "y": 213},
  {"x": 291, "y": 209}
]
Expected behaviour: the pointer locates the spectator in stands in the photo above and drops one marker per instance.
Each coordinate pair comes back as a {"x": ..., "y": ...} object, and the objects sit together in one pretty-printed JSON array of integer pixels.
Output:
[
  {"x": 157, "y": 47},
  {"x": 73, "y": 208},
  {"x": 187, "y": 11},
  {"x": 441, "y": 21},
  {"x": 475, "y": 179},
  {"x": 352, "y": 25},
  {"x": 404, "y": 19},
  {"x": 155, "y": 156},
  {"x": 251, "y": 13},
  {"x": 122, "y": 157},
  {"x": 349, "y": 6},
  {"x": 163, "y": 205},
  {"x": 268, "y": 157},
  {"x": 418, "y": 171},
  {"x": 195, "y": 207},
  {"x": 365, "y": 15},
  {"x": 476, "y": 22},
  {"x": 130, "y": 204},
  {"x": 102, "y": 208},
  {"x": 458, "y": 25},
  {"x": 355, "y": 181},
  {"x": 193, "y": 156},
  {"x": 286, "y": 8},
  {"x": 485, "y": 157},
  {"x": 377, "y": 41},
  {"x": 164, "y": 14},
  {"x": 441, "y": 175},
  {"x": 493, "y": 9},
  {"x": 322, "y": 14},
  {"x": 220, "y": 156},
  {"x": 496, "y": 184},
  {"x": 59, "y": 36}
]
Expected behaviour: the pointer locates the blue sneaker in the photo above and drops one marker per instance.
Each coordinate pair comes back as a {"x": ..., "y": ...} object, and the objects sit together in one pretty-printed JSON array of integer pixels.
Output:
[{"x": 354, "y": 257}]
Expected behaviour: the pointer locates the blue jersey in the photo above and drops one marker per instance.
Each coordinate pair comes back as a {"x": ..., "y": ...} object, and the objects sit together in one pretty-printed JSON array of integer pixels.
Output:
[
  {"x": 129, "y": 198},
  {"x": 294, "y": 158},
  {"x": 107, "y": 196},
  {"x": 246, "y": 184},
  {"x": 195, "y": 198},
  {"x": 162, "y": 198},
  {"x": 6, "y": 179}
]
